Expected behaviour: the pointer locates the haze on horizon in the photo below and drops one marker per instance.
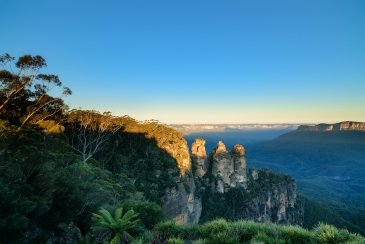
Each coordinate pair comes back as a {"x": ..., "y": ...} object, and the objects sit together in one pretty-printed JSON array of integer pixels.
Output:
[{"x": 200, "y": 61}]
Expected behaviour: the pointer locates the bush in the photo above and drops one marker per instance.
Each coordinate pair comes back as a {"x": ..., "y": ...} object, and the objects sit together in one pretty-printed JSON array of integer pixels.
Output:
[
  {"x": 191, "y": 232},
  {"x": 262, "y": 237},
  {"x": 325, "y": 233},
  {"x": 296, "y": 234},
  {"x": 245, "y": 230},
  {"x": 221, "y": 238},
  {"x": 168, "y": 229},
  {"x": 215, "y": 226},
  {"x": 329, "y": 234},
  {"x": 175, "y": 241},
  {"x": 149, "y": 213}
]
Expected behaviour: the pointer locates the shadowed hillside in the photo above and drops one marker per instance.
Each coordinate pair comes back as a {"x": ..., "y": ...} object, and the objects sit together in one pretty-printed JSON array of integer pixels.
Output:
[{"x": 328, "y": 165}]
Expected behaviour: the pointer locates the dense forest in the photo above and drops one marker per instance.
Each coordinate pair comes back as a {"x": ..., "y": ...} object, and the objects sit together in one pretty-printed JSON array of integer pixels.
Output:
[{"x": 80, "y": 176}]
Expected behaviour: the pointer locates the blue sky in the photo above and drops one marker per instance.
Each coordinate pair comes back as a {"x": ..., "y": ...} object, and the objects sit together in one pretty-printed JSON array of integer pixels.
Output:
[{"x": 200, "y": 61}]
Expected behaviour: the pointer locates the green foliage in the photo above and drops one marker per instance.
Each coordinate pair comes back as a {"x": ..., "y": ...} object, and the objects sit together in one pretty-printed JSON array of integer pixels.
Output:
[
  {"x": 175, "y": 241},
  {"x": 221, "y": 231},
  {"x": 262, "y": 237},
  {"x": 140, "y": 159},
  {"x": 296, "y": 234},
  {"x": 29, "y": 163},
  {"x": 331, "y": 213},
  {"x": 325, "y": 233},
  {"x": 25, "y": 93},
  {"x": 148, "y": 212},
  {"x": 117, "y": 226},
  {"x": 40, "y": 172}
]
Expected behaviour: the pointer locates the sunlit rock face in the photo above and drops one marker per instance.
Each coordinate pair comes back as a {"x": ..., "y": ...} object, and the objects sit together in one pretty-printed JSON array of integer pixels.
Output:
[
  {"x": 221, "y": 171},
  {"x": 199, "y": 157},
  {"x": 228, "y": 168},
  {"x": 342, "y": 126}
]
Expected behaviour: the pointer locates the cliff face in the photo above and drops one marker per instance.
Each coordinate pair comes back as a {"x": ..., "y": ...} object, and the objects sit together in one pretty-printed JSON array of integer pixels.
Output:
[
  {"x": 261, "y": 195},
  {"x": 181, "y": 204},
  {"x": 228, "y": 168},
  {"x": 218, "y": 186},
  {"x": 276, "y": 202},
  {"x": 342, "y": 126}
]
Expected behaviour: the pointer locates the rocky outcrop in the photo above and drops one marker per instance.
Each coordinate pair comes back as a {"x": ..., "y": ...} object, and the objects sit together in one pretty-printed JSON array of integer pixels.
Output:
[
  {"x": 264, "y": 196},
  {"x": 181, "y": 204},
  {"x": 342, "y": 126},
  {"x": 199, "y": 157},
  {"x": 275, "y": 203},
  {"x": 221, "y": 179},
  {"x": 228, "y": 168}
]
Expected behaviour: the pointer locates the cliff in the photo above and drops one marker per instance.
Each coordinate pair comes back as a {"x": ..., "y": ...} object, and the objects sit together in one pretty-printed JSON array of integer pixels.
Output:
[
  {"x": 342, "y": 126},
  {"x": 219, "y": 185},
  {"x": 181, "y": 204},
  {"x": 228, "y": 191}
]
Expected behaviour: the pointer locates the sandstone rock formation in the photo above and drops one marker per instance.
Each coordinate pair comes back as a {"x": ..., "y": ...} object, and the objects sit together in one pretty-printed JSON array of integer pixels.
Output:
[
  {"x": 199, "y": 157},
  {"x": 181, "y": 203},
  {"x": 264, "y": 196},
  {"x": 228, "y": 168},
  {"x": 225, "y": 170},
  {"x": 278, "y": 203}
]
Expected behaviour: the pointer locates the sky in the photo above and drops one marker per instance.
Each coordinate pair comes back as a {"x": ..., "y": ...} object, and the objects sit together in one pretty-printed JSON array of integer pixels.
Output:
[{"x": 192, "y": 61}]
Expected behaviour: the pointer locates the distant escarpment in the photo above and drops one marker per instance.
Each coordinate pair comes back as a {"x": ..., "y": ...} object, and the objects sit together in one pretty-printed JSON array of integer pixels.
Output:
[
  {"x": 227, "y": 190},
  {"x": 342, "y": 126}
]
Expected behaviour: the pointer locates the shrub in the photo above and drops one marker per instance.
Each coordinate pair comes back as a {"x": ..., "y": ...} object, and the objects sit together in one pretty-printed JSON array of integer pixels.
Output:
[
  {"x": 221, "y": 238},
  {"x": 221, "y": 231},
  {"x": 149, "y": 213},
  {"x": 175, "y": 241},
  {"x": 325, "y": 233},
  {"x": 329, "y": 234},
  {"x": 245, "y": 230},
  {"x": 215, "y": 226},
  {"x": 191, "y": 232},
  {"x": 168, "y": 229},
  {"x": 296, "y": 234},
  {"x": 262, "y": 237}
]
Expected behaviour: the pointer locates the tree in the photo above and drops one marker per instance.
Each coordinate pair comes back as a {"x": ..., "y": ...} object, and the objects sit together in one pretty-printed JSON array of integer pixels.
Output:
[
  {"x": 115, "y": 227},
  {"x": 90, "y": 130},
  {"x": 25, "y": 93}
]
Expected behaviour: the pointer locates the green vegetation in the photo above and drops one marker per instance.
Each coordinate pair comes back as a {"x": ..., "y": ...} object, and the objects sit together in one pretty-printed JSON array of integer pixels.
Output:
[
  {"x": 115, "y": 228},
  {"x": 221, "y": 231}
]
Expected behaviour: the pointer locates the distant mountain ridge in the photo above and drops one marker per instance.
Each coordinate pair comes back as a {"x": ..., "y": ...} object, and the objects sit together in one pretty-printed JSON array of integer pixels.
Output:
[
  {"x": 194, "y": 128},
  {"x": 341, "y": 126}
]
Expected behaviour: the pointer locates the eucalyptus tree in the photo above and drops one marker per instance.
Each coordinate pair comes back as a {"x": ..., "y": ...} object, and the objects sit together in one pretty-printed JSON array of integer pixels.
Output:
[
  {"x": 25, "y": 92},
  {"x": 89, "y": 130}
]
